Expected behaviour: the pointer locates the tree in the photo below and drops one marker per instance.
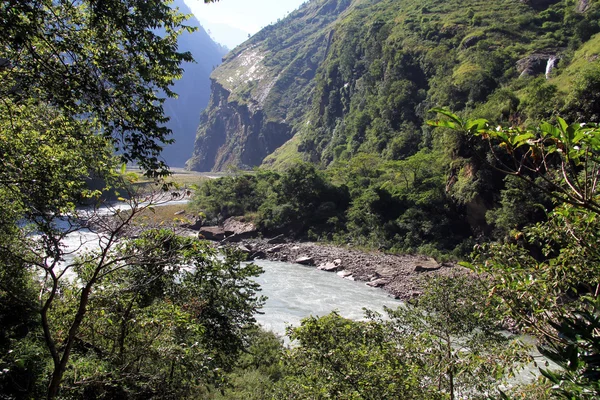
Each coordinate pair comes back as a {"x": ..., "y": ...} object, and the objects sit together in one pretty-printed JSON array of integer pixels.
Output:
[
  {"x": 564, "y": 156},
  {"x": 553, "y": 291},
  {"x": 444, "y": 345},
  {"x": 95, "y": 61},
  {"x": 455, "y": 338},
  {"x": 78, "y": 81},
  {"x": 339, "y": 358},
  {"x": 166, "y": 317}
]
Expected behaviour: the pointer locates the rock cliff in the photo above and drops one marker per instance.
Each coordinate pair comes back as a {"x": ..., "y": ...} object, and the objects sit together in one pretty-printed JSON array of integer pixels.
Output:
[
  {"x": 337, "y": 78},
  {"x": 264, "y": 88},
  {"x": 193, "y": 90}
]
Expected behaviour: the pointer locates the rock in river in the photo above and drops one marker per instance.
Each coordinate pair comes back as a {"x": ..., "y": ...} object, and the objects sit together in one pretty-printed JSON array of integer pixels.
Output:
[
  {"x": 211, "y": 233},
  {"x": 305, "y": 260}
]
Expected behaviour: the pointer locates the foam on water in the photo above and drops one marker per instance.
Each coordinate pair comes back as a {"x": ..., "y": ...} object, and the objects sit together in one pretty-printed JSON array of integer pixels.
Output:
[{"x": 295, "y": 292}]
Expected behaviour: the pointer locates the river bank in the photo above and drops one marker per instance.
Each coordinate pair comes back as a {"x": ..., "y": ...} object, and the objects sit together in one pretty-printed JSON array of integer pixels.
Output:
[{"x": 399, "y": 275}]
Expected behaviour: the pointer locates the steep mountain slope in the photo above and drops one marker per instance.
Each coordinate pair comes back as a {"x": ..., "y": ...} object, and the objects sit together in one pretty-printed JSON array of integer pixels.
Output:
[
  {"x": 193, "y": 90},
  {"x": 342, "y": 77}
]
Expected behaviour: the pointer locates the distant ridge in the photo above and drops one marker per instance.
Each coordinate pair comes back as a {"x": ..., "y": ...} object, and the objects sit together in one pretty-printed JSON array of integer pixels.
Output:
[{"x": 193, "y": 90}]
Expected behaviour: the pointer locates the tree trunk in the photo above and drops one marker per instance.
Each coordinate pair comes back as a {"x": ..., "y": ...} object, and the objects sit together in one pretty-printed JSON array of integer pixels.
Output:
[
  {"x": 59, "y": 369},
  {"x": 450, "y": 367}
]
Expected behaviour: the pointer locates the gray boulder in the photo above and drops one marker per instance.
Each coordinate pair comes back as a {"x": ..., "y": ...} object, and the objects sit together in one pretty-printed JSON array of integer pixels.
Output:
[
  {"x": 305, "y": 260},
  {"x": 329, "y": 267},
  {"x": 211, "y": 233}
]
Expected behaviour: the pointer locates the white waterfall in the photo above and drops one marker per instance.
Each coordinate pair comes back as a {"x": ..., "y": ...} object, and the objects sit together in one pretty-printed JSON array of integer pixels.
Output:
[{"x": 550, "y": 66}]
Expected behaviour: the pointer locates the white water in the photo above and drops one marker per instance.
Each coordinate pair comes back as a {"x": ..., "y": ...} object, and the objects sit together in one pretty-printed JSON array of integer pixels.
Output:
[
  {"x": 293, "y": 291},
  {"x": 296, "y": 292},
  {"x": 550, "y": 66}
]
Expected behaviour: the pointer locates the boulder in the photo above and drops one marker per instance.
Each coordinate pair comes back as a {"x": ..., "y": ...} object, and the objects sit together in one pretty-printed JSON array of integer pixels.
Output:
[
  {"x": 344, "y": 273},
  {"x": 211, "y": 233},
  {"x": 420, "y": 268},
  {"x": 275, "y": 249},
  {"x": 244, "y": 249},
  {"x": 279, "y": 239},
  {"x": 258, "y": 255},
  {"x": 235, "y": 226},
  {"x": 329, "y": 267},
  {"x": 238, "y": 237},
  {"x": 378, "y": 282},
  {"x": 305, "y": 260}
]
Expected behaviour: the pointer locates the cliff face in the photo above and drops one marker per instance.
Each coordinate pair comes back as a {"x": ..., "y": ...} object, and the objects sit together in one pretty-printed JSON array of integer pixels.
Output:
[
  {"x": 193, "y": 90},
  {"x": 234, "y": 134},
  {"x": 337, "y": 78},
  {"x": 261, "y": 93}
]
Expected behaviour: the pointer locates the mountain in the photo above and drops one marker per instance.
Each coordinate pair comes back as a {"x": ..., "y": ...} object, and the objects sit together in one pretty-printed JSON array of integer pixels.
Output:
[
  {"x": 230, "y": 36},
  {"x": 338, "y": 78},
  {"x": 193, "y": 90}
]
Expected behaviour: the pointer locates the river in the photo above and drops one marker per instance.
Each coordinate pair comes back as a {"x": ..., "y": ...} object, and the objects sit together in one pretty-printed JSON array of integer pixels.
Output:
[{"x": 293, "y": 291}]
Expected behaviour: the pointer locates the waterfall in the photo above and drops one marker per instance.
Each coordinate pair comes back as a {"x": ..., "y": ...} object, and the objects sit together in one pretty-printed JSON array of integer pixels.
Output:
[{"x": 550, "y": 66}]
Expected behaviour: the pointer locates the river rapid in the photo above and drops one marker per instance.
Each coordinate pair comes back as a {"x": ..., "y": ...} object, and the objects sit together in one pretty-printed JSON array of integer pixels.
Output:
[{"x": 293, "y": 291}]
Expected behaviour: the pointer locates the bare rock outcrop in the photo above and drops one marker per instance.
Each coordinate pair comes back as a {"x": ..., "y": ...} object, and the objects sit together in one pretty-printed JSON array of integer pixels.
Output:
[
  {"x": 582, "y": 6},
  {"x": 536, "y": 63}
]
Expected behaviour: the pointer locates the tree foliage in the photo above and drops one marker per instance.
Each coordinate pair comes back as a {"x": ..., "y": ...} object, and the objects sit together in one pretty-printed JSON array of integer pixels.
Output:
[
  {"x": 95, "y": 61},
  {"x": 445, "y": 345},
  {"x": 549, "y": 279},
  {"x": 80, "y": 81}
]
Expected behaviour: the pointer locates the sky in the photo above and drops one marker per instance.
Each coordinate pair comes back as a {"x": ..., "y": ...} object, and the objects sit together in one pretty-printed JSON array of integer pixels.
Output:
[{"x": 230, "y": 21}]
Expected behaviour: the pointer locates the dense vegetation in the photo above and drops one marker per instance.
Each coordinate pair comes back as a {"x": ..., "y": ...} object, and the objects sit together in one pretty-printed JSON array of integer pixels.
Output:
[
  {"x": 380, "y": 177},
  {"x": 88, "y": 309},
  {"x": 354, "y": 80},
  {"x": 145, "y": 313},
  {"x": 350, "y": 77},
  {"x": 366, "y": 202},
  {"x": 545, "y": 280}
]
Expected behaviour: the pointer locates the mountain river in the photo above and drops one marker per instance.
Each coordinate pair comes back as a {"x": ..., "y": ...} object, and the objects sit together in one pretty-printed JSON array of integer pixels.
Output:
[{"x": 293, "y": 291}]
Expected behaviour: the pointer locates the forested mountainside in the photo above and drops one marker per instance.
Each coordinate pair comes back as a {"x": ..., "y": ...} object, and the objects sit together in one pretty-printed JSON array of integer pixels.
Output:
[
  {"x": 341, "y": 77},
  {"x": 193, "y": 89},
  {"x": 347, "y": 86}
]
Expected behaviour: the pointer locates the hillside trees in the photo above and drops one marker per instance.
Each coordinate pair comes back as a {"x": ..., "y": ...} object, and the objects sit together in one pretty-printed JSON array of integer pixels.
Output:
[
  {"x": 549, "y": 278},
  {"x": 79, "y": 81}
]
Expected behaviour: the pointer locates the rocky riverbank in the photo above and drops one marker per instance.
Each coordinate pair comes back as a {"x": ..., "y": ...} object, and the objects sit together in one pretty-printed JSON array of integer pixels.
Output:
[{"x": 400, "y": 275}]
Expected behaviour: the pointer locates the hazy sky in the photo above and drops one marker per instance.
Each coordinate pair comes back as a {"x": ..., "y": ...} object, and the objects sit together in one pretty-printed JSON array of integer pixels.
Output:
[{"x": 230, "y": 21}]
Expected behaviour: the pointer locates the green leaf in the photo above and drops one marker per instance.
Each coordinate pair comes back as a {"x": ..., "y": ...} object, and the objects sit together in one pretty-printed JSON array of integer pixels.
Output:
[
  {"x": 444, "y": 124},
  {"x": 476, "y": 125},
  {"x": 450, "y": 115}
]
